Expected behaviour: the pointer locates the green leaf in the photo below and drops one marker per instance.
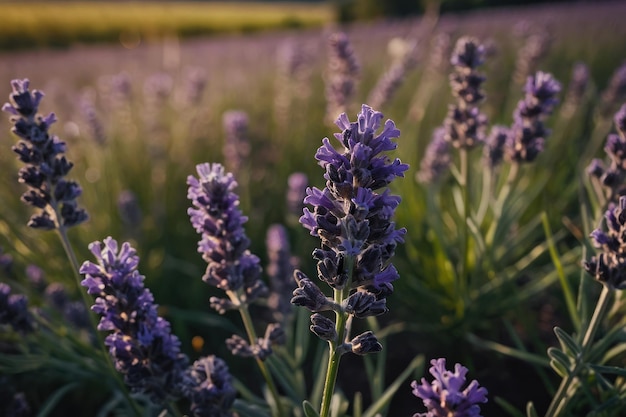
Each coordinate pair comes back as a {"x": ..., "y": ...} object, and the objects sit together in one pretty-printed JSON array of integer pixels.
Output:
[
  {"x": 567, "y": 342},
  {"x": 309, "y": 411},
  {"x": 559, "y": 368},
  {"x": 530, "y": 410},
  {"x": 561, "y": 357},
  {"x": 612, "y": 370},
  {"x": 53, "y": 400},
  {"x": 508, "y": 407}
]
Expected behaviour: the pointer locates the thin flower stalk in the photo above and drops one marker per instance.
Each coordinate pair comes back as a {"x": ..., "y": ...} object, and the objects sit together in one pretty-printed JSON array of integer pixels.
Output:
[{"x": 358, "y": 239}]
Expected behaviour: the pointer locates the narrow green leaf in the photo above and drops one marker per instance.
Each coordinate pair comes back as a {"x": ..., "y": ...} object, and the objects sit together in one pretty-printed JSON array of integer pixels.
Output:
[
  {"x": 567, "y": 342},
  {"x": 612, "y": 370},
  {"x": 508, "y": 407},
  {"x": 357, "y": 404},
  {"x": 54, "y": 399},
  {"x": 249, "y": 410},
  {"x": 567, "y": 289},
  {"x": 558, "y": 368},
  {"x": 309, "y": 411},
  {"x": 561, "y": 357},
  {"x": 507, "y": 350},
  {"x": 530, "y": 410}
]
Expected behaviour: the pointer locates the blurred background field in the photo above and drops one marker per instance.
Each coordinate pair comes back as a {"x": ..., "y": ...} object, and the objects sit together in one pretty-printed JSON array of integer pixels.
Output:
[{"x": 141, "y": 110}]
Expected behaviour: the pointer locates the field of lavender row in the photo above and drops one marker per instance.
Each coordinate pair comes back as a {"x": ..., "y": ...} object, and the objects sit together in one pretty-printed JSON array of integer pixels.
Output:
[{"x": 504, "y": 252}]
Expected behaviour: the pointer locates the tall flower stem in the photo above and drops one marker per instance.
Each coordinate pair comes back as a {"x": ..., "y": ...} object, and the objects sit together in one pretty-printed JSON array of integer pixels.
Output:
[
  {"x": 464, "y": 183},
  {"x": 563, "y": 393},
  {"x": 252, "y": 337},
  {"x": 334, "y": 355}
]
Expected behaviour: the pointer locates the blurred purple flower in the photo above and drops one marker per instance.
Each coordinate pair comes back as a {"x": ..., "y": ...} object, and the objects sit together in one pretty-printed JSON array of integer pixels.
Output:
[
  {"x": 236, "y": 141},
  {"x": 437, "y": 158},
  {"x": 493, "y": 152},
  {"x": 343, "y": 71},
  {"x": 527, "y": 134},
  {"x": 211, "y": 391},
  {"x": 296, "y": 192},
  {"x": 446, "y": 395},
  {"x": 280, "y": 271},
  {"x": 140, "y": 342},
  {"x": 14, "y": 310},
  {"x": 45, "y": 168}
]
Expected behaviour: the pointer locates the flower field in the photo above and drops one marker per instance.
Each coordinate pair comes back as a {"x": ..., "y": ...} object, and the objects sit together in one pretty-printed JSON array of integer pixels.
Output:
[{"x": 440, "y": 200}]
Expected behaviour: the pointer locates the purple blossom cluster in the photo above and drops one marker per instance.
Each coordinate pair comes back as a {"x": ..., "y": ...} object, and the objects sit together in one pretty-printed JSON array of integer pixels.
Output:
[
  {"x": 447, "y": 395},
  {"x": 343, "y": 70},
  {"x": 140, "y": 342},
  {"x": 609, "y": 267},
  {"x": 45, "y": 166},
  {"x": 612, "y": 175},
  {"x": 465, "y": 123},
  {"x": 526, "y": 136},
  {"x": 14, "y": 310},
  {"x": 354, "y": 222},
  {"x": 210, "y": 389},
  {"x": 224, "y": 245}
]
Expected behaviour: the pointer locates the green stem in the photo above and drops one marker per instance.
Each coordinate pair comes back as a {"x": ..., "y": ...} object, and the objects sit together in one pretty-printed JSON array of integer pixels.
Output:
[
  {"x": 563, "y": 393},
  {"x": 252, "y": 337},
  {"x": 335, "y": 355},
  {"x": 464, "y": 183}
]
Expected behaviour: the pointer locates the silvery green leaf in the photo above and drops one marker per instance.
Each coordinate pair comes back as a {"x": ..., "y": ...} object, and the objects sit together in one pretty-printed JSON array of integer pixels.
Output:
[
  {"x": 567, "y": 342},
  {"x": 309, "y": 411}
]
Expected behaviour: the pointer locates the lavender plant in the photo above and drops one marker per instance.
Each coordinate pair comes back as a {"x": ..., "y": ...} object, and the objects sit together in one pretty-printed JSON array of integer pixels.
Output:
[{"x": 358, "y": 237}]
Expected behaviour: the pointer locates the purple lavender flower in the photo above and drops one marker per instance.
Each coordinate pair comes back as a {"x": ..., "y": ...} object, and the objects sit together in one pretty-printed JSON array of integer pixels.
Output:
[
  {"x": 280, "y": 271},
  {"x": 576, "y": 89},
  {"x": 140, "y": 342},
  {"x": 14, "y": 310},
  {"x": 465, "y": 124},
  {"x": 527, "y": 134},
  {"x": 493, "y": 152},
  {"x": 211, "y": 391},
  {"x": 45, "y": 168},
  {"x": 609, "y": 267},
  {"x": 296, "y": 192},
  {"x": 615, "y": 91},
  {"x": 445, "y": 396},
  {"x": 343, "y": 70},
  {"x": 236, "y": 142},
  {"x": 437, "y": 158},
  {"x": 87, "y": 104},
  {"x": 352, "y": 219},
  {"x": 224, "y": 246},
  {"x": 611, "y": 175}
]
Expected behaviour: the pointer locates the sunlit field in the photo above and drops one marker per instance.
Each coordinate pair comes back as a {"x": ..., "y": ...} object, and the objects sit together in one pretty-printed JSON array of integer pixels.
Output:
[
  {"x": 60, "y": 24},
  {"x": 496, "y": 255}
]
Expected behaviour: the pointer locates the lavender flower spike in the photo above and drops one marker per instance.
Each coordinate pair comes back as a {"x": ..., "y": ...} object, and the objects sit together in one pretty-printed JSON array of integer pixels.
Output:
[
  {"x": 140, "y": 343},
  {"x": 527, "y": 134},
  {"x": 350, "y": 217},
  {"x": 14, "y": 310},
  {"x": 45, "y": 168},
  {"x": 211, "y": 393},
  {"x": 445, "y": 396}
]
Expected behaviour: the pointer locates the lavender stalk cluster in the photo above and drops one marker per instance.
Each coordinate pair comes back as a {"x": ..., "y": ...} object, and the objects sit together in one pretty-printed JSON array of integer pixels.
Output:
[
  {"x": 14, "y": 310},
  {"x": 609, "y": 266},
  {"x": 210, "y": 390},
  {"x": 611, "y": 175},
  {"x": 140, "y": 342},
  {"x": 45, "y": 165},
  {"x": 437, "y": 158},
  {"x": 447, "y": 395},
  {"x": 224, "y": 246},
  {"x": 343, "y": 70},
  {"x": 526, "y": 137},
  {"x": 465, "y": 123},
  {"x": 237, "y": 143},
  {"x": 354, "y": 223}
]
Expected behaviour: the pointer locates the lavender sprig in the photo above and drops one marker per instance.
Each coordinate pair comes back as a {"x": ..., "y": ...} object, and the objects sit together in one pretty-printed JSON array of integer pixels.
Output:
[
  {"x": 46, "y": 167},
  {"x": 527, "y": 134},
  {"x": 358, "y": 238},
  {"x": 14, "y": 310},
  {"x": 140, "y": 342},
  {"x": 340, "y": 80},
  {"x": 446, "y": 395}
]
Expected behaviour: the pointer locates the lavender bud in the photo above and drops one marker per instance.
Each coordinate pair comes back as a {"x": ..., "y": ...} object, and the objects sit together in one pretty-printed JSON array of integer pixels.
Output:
[
  {"x": 238, "y": 346},
  {"x": 364, "y": 304},
  {"x": 280, "y": 271},
  {"x": 446, "y": 395},
  {"x": 309, "y": 295},
  {"x": 494, "y": 146},
  {"x": 296, "y": 192},
  {"x": 323, "y": 327},
  {"x": 615, "y": 92},
  {"x": 221, "y": 305},
  {"x": 365, "y": 343}
]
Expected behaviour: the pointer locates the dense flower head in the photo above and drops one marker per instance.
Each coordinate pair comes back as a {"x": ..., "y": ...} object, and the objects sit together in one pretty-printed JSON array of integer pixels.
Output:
[
  {"x": 140, "y": 342},
  {"x": 211, "y": 391},
  {"x": 493, "y": 152},
  {"x": 340, "y": 79},
  {"x": 224, "y": 245},
  {"x": 45, "y": 166},
  {"x": 14, "y": 310},
  {"x": 447, "y": 395},
  {"x": 609, "y": 266},
  {"x": 353, "y": 218},
  {"x": 527, "y": 134},
  {"x": 465, "y": 124}
]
